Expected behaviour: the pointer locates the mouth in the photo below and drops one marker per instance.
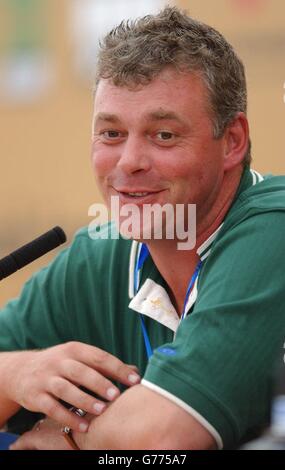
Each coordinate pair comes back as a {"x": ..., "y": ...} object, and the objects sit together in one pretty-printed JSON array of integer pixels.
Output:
[{"x": 137, "y": 195}]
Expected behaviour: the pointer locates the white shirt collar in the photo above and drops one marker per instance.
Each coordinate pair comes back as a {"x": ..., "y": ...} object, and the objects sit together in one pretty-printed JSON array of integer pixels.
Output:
[{"x": 152, "y": 299}]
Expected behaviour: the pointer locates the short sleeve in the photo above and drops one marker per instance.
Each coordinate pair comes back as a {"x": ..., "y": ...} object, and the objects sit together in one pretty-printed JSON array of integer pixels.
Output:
[{"x": 221, "y": 361}]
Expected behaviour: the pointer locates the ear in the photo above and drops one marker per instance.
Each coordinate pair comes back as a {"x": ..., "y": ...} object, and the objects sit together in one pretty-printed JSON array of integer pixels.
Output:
[{"x": 236, "y": 140}]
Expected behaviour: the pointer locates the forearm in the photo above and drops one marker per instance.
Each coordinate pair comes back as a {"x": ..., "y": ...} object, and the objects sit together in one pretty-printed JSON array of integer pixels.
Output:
[
  {"x": 116, "y": 428},
  {"x": 138, "y": 419},
  {"x": 9, "y": 365},
  {"x": 143, "y": 419}
]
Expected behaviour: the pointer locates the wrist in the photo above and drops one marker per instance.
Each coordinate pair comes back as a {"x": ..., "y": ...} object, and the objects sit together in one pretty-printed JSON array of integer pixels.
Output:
[{"x": 11, "y": 363}]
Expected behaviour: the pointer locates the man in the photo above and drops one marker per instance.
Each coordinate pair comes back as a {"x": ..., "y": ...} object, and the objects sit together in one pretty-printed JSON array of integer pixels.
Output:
[{"x": 202, "y": 327}]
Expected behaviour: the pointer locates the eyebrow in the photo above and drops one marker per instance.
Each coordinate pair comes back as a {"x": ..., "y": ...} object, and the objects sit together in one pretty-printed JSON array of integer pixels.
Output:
[
  {"x": 158, "y": 115},
  {"x": 106, "y": 117},
  {"x": 164, "y": 115}
]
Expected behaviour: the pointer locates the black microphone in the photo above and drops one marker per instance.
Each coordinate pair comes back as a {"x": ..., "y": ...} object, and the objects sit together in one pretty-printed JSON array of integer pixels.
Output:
[{"x": 33, "y": 250}]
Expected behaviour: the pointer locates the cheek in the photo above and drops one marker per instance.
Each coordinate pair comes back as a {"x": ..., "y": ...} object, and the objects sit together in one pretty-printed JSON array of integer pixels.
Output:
[
  {"x": 102, "y": 161},
  {"x": 210, "y": 176}
]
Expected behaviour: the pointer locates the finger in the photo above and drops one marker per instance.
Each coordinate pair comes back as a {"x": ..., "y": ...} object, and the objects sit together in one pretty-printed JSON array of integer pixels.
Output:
[
  {"x": 70, "y": 393},
  {"x": 53, "y": 408},
  {"x": 104, "y": 362},
  {"x": 37, "y": 425},
  {"x": 134, "y": 368},
  {"x": 82, "y": 375}
]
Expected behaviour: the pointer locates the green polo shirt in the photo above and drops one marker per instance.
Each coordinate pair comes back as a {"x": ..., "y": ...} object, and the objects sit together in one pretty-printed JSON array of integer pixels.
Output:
[{"x": 217, "y": 363}]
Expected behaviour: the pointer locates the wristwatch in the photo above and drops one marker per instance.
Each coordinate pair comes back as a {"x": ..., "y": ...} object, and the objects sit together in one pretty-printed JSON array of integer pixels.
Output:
[{"x": 67, "y": 431}]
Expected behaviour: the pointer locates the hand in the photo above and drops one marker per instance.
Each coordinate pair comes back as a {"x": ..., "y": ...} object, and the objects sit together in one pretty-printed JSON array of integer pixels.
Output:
[
  {"x": 45, "y": 435},
  {"x": 37, "y": 379}
]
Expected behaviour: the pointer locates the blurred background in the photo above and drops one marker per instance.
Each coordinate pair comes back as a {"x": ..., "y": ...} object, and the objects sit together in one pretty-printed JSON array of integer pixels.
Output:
[{"x": 47, "y": 56}]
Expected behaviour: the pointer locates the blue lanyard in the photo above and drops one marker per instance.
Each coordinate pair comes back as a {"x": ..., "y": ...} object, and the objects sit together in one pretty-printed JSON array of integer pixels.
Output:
[
  {"x": 190, "y": 287},
  {"x": 144, "y": 253}
]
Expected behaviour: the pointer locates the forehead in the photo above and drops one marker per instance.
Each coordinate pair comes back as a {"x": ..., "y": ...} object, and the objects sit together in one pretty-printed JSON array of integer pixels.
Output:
[{"x": 171, "y": 90}]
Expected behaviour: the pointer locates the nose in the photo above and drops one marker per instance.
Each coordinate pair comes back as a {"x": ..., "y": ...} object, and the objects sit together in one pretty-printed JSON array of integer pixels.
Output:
[{"x": 134, "y": 156}]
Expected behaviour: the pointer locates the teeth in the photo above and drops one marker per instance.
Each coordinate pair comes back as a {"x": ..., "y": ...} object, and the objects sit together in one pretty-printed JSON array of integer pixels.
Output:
[{"x": 137, "y": 194}]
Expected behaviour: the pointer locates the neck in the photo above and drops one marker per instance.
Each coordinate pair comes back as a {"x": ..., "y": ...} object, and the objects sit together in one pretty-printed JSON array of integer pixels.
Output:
[{"x": 177, "y": 266}]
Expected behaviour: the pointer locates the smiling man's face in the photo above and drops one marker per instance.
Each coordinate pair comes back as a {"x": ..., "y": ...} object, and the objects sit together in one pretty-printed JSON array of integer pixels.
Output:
[{"x": 154, "y": 144}]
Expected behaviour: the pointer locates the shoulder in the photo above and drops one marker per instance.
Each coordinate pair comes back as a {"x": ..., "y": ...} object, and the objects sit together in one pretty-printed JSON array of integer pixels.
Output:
[
  {"x": 266, "y": 197},
  {"x": 102, "y": 245},
  {"x": 99, "y": 260},
  {"x": 269, "y": 193},
  {"x": 251, "y": 238},
  {"x": 88, "y": 259}
]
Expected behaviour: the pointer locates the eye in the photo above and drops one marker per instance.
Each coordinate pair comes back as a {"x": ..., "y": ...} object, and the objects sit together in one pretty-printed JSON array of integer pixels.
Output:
[
  {"x": 165, "y": 135},
  {"x": 111, "y": 134},
  {"x": 165, "y": 138}
]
